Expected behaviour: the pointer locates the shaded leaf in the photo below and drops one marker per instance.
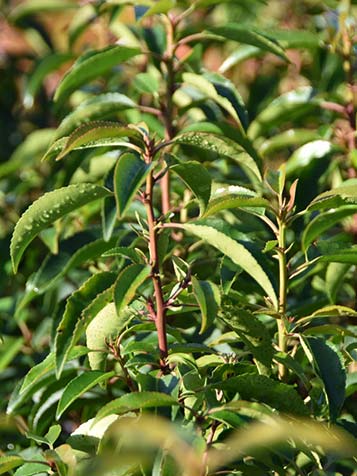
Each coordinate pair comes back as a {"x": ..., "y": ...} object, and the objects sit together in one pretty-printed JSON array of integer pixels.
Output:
[
  {"x": 330, "y": 367},
  {"x": 98, "y": 107},
  {"x": 249, "y": 35},
  {"x": 73, "y": 323},
  {"x": 208, "y": 297},
  {"x": 129, "y": 279},
  {"x": 46, "y": 210},
  {"x": 92, "y": 65},
  {"x": 345, "y": 194},
  {"x": 278, "y": 395},
  {"x": 197, "y": 178},
  {"x": 252, "y": 332},
  {"x": 130, "y": 173}
]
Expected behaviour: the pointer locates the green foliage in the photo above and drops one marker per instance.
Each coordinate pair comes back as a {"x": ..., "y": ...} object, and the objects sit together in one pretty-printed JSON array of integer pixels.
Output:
[{"x": 186, "y": 302}]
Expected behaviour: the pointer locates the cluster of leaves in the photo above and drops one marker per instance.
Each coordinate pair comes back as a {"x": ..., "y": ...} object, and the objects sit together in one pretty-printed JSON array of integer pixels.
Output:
[{"x": 187, "y": 287}]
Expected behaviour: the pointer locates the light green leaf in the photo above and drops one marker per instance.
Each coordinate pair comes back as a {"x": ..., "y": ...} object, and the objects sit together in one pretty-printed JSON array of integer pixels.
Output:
[
  {"x": 198, "y": 180},
  {"x": 344, "y": 194},
  {"x": 250, "y": 36},
  {"x": 92, "y": 65},
  {"x": 7, "y": 463},
  {"x": 104, "y": 326},
  {"x": 73, "y": 323},
  {"x": 124, "y": 251},
  {"x": 136, "y": 401},
  {"x": 323, "y": 222},
  {"x": 78, "y": 386},
  {"x": 42, "y": 69},
  {"x": 46, "y": 210},
  {"x": 240, "y": 54},
  {"x": 209, "y": 299},
  {"x": 53, "y": 433},
  {"x": 146, "y": 83},
  {"x": 302, "y": 157},
  {"x": 289, "y": 138},
  {"x": 330, "y": 367},
  {"x": 9, "y": 348},
  {"x": 129, "y": 279},
  {"x": 212, "y": 91},
  {"x": 161, "y": 6},
  {"x": 219, "y": 145},
  {"x": 39, "y": 371},
  {"x": 226, "y": 201},
  {"x": 33, "y": 7},
  {"x": 236, "y": 252},
  {"x": 329, "y": 311},
  {"x": 97, "y": 134},
  {"x": 291, "y": 39},
  {"x": 130, "y": 172},
  {"x": 348, "y": 255},
  {"x": 98, "y": 107}
]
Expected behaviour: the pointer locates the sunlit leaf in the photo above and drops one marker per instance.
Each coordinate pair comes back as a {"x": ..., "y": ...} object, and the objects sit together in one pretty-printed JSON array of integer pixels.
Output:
[
  {"x": 46, "y": 210},
  {"x": 209, "y": 299}
]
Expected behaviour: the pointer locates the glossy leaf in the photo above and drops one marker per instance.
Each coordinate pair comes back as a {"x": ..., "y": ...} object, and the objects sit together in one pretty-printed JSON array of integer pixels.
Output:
[
  {"x": 106, "y": 325},
  {"x": 98, "y": 107},
  {"x": 73, "y": 323},
  {"x": 127, "y": 283},
  {"x": 48, "y": 365},
  {"x": 226, "y": 201},
  {"x": 78, "y": 386},
  {"x": 92, "y": 65},
  {"x": 323, "y": 222},
  {"x": 219, "y": 145},
  {"x": 208, "y": 297},
  {"x": 283, "y": 108},
  {"x": 236, "y": 252},
  {"x": 130, "y": 173},
  {"x": 97, "y": 134},
  {"x": 198, "y": 180},
  {"x": 222, "y": 91},
  {"x": 289, "y": 138},
  {"x": 330, "y": 367},
  {"x": 136, "y": 401},
  {"x": 250, "y": 36},
  {"x": 344, "y": 194},
  {"x": 311, "y": 151},
  {"x": 46, "y": 210},
  {"x": 7, "y": 463}
]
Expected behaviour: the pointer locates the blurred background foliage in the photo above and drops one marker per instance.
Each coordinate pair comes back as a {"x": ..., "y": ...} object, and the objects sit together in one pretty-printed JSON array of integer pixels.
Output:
[{"x": 300, "y": 112}]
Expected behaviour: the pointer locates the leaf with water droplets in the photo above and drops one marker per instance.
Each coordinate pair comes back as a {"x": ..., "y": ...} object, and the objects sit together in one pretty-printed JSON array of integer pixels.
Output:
[
  {"x": 46, "y": 210},
  {"x": 96, "y": 134},
  {"x": 221, "y": 146}
]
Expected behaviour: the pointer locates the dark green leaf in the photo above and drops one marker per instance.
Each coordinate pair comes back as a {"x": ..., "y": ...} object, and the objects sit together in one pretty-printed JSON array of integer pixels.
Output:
[
  {"x": 127, "y": 283},
  {"x": 330, "y": 367},
  {"x": 92, "y": 65},
  {"x": 209, "y": 299},
  {"x": 130, "y": 173},
  {"x": 72, "y": 323},
  {"x": 197, "y": 179},
  {"x": 250, "y": 36}
]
